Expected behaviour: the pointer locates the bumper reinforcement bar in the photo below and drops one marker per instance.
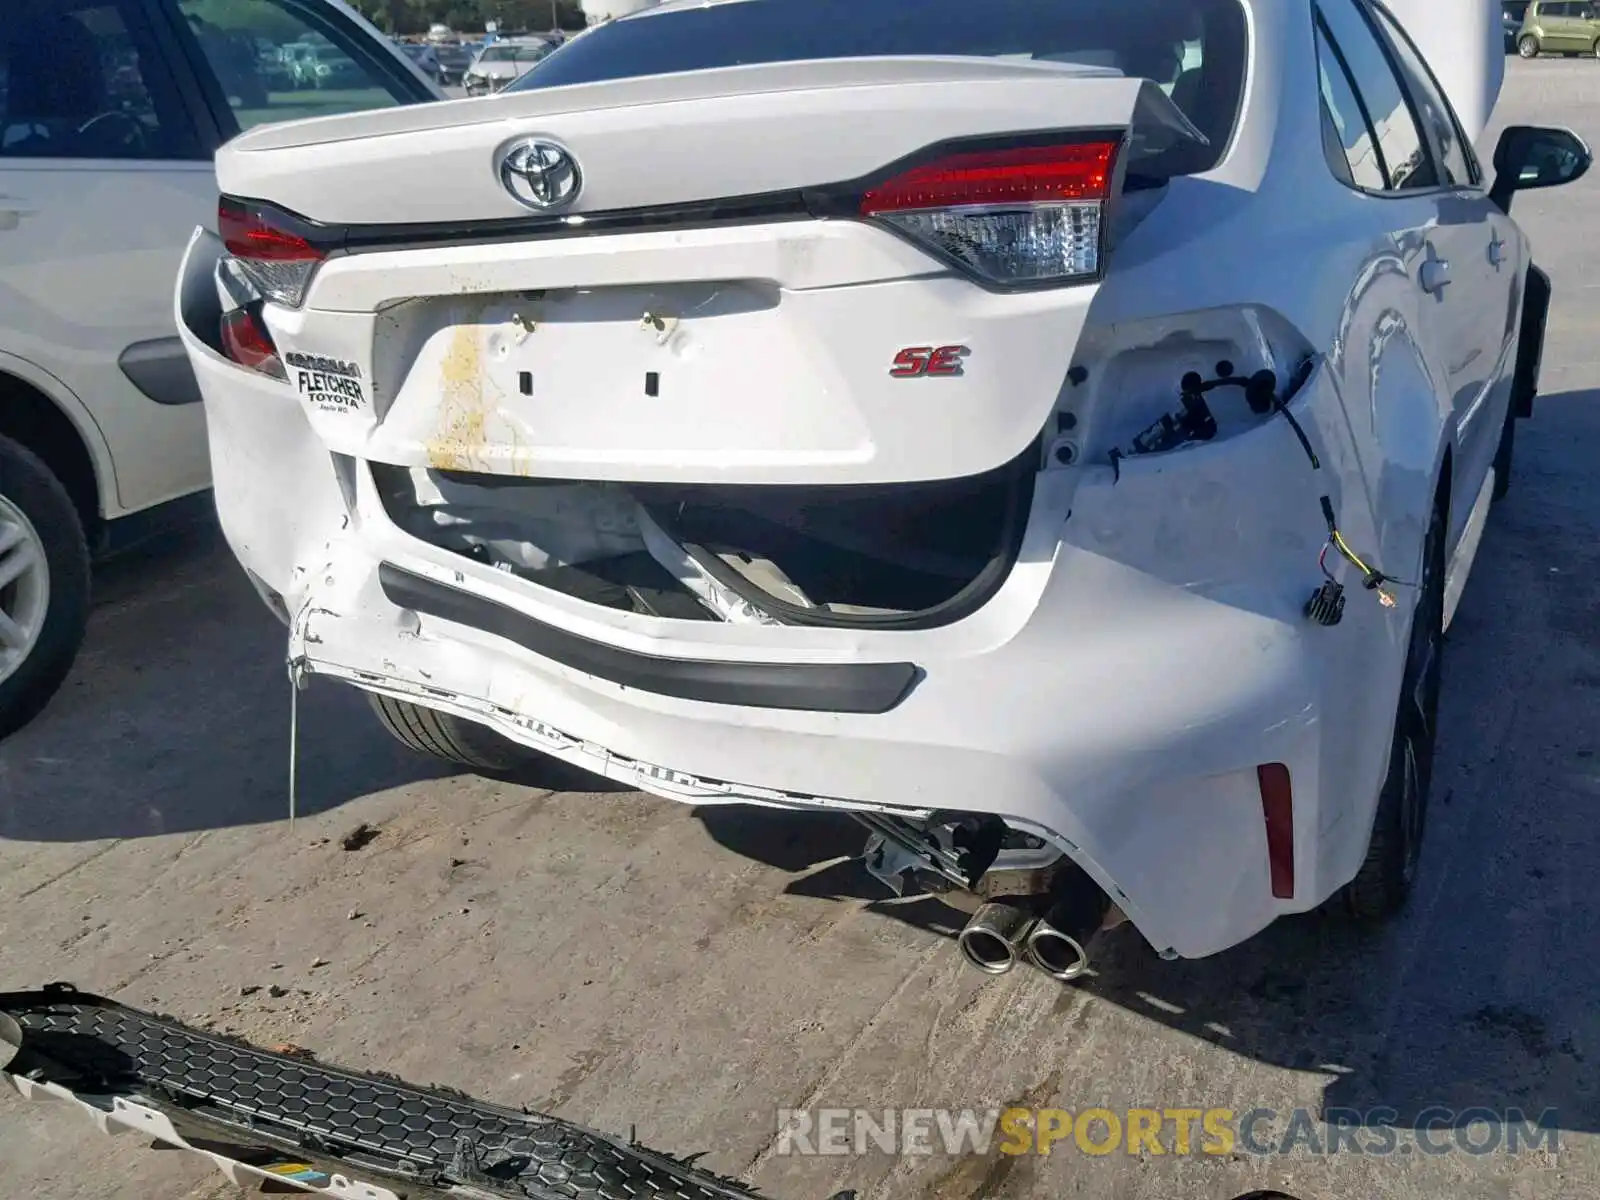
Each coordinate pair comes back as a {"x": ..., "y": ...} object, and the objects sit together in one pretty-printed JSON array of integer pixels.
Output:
[{"x": 290, "y": 1123}]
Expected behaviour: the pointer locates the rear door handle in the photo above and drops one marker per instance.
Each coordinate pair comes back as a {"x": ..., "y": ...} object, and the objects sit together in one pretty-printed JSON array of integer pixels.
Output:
[{"x": 1435, "y": 276}]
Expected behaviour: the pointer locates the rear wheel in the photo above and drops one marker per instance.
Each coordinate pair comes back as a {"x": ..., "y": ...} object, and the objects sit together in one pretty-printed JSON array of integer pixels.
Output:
[
  {"x": 449, "y": 737},
  {"x": 44, "y": 585},
  {"x": 1528, "y": 46},
  {"x": 1386, "y": 877}
]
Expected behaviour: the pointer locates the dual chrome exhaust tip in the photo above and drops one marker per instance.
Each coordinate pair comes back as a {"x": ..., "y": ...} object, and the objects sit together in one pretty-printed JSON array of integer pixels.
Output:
[
  {"x": 996, "y": 936},
  {"x": 1003, "y": 933}
]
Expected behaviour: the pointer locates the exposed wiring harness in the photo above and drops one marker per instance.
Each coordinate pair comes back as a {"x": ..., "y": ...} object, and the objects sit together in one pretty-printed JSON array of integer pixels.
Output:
[
  {"x": 1196, "y": 423},
  {"x": 1326, "y": 606}
]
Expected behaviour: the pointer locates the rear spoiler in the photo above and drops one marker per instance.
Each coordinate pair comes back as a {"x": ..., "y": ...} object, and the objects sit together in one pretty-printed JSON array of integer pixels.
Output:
[{"x": 282, "y": 1120}]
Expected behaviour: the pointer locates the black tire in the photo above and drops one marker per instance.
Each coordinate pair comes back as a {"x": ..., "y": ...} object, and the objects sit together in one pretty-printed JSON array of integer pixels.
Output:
[
  {"x": 1381, "y": 887},
  {"x": 449, "y": 737},
  {"x": 1503, "y": 456},
  {"x": 1528, "y": 46},
  {"x": 30, "y": 486}
]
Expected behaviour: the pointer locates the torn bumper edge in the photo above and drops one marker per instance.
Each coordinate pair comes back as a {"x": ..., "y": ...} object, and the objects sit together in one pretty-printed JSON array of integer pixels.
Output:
[
  {"x": 260, "y": 1116},
  {"x": 1147, "y": 654}
]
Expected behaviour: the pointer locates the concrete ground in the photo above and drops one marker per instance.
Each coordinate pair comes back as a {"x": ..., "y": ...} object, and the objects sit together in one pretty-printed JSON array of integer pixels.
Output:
[{"x": 630, "y": 963}]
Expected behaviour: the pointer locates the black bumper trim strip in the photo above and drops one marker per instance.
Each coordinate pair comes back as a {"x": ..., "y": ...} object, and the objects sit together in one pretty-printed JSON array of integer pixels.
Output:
[{"x": 866, "y": 688}]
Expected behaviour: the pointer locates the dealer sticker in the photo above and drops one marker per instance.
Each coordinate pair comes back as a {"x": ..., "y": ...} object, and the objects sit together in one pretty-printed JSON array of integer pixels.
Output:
[{"x": 330, "y": 385}]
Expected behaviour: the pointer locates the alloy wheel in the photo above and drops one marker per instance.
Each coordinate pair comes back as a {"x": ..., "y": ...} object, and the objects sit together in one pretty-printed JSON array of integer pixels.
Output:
[{"x": 24, "y": 587}]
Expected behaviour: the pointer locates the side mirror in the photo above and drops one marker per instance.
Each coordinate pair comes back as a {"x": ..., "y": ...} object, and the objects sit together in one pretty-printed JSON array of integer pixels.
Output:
[{"x": 1529, "y": 156}]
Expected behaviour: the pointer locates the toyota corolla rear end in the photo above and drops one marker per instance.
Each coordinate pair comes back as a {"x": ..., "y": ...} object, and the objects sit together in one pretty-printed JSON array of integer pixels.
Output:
[{"x": 778, "y": 433}]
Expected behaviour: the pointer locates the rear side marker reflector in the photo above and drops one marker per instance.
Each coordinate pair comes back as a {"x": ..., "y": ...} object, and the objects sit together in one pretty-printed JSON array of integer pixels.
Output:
[
  {"x": 1020, "y": 216},
  {"x": 1277, "y": 809}
]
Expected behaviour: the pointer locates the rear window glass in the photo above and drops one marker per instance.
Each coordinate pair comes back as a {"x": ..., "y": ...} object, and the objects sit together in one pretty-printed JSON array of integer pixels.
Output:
[{"x": 1194, "y": 49}]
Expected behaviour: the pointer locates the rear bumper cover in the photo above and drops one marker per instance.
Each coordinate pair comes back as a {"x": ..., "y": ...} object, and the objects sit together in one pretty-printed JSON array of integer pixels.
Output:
[
  {"x": 1146, "y": 654},
  {"x": 261, "y": 1116},
  {"x": 1117, "y": 695}
]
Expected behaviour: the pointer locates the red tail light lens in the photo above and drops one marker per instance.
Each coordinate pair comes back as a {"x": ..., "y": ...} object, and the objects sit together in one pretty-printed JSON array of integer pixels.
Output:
[
  {"x": 1024, "y": 175},
  {"x": 279, "y": 261},
  {"x": 1022, "y": 215},
  {"x": 246, "y": 341}
]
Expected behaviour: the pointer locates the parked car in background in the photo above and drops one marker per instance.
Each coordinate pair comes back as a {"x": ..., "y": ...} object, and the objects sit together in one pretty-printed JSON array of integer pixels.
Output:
[
  {"x": 325, "y": 65},
  {"x": 235, "y": 57},
  {"x": 1512, "y": 13},
  {"x": 1569, "y": 27},
  {"x": 454, "y": 61},
  {"x": 425, "y": 56},
  {"x": 275, "y": 69},
  {"x": 112, "y": 112},
  {"x": 503, "y": 62}
]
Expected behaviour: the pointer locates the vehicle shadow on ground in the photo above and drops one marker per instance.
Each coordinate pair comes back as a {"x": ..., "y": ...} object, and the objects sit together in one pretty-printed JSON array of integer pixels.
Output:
[
  {"x": 176, "y": 715},
  {"x": 1480, "y": 995},
  {"x": 823, "y": 849},
  {"x": 1410, "y": 1021}
]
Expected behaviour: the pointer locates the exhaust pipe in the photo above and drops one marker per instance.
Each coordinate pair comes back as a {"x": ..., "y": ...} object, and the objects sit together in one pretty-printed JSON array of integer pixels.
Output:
[
  {"x": 1058, "y": 943},
  {"x": 992, "y": 940}
]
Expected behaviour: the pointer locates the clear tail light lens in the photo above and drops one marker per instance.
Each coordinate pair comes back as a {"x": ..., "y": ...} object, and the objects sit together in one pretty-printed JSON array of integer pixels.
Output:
[
  {"x": 1027, "y": 215},
  {"x": 276, "y": 258}
]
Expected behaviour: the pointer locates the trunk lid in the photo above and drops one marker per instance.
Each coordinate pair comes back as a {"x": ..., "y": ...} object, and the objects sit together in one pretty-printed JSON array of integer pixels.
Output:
[
  {"x": 689, "y": 318},
  {"x": 661, "y": 140}
]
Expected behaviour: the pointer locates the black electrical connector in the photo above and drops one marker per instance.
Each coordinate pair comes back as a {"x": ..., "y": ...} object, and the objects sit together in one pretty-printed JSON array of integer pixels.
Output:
[
  {"x": 1326, "y": 606},
  {"x": 1194, "y": 423}
]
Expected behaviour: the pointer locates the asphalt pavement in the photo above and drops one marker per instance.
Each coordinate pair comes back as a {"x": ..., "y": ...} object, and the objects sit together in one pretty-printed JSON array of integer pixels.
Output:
[{"x": 634, "y": 964}]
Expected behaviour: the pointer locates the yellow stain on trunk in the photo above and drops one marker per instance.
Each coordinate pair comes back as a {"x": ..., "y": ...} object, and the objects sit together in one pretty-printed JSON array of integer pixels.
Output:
[{"x": 462, "y": 415}]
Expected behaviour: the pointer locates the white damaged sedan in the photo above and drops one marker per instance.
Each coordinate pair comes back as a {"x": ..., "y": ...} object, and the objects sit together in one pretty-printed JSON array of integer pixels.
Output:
[{"x": 1058, "y": 439}]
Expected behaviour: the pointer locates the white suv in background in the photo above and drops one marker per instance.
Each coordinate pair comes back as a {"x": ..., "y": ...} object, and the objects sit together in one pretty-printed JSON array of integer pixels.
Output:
[{"x": 110, "y": 112}]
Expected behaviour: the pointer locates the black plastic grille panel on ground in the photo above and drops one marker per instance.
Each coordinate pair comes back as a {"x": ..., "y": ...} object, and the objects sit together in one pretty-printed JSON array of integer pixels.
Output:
[{"x": 428, "y": 1135}]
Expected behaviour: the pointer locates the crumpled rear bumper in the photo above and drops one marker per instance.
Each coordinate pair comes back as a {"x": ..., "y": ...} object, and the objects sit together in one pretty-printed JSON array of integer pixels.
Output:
[
  {"x": 261, "y": 1116},
  {"x": 1118, "y": 694}
]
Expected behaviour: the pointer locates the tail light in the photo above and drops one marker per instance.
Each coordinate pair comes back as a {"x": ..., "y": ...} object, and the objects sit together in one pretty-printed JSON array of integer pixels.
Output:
[
  {"x": 1026, "y": 215},
  {"x": 246, "y": 341},
  {"x": 275, "y": 256}
]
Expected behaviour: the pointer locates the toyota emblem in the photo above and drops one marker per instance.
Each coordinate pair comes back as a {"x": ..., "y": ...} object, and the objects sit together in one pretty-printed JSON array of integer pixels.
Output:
[{"x": 540, "y": 174}]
